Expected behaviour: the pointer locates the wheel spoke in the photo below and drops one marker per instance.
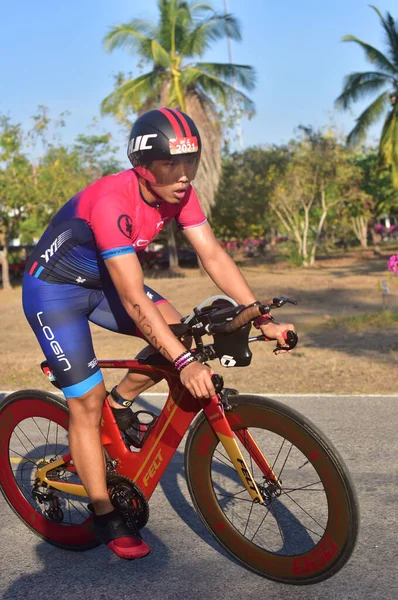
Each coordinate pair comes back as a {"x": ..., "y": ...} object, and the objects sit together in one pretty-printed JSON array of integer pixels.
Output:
[
  {"x": 303, "y": 509},
  {"x": 234, "y": 497},
  {"x": 248, "y": 518},
  {"x": 303, "y": 487},
  {"x": 29, "y": 440},
  {"x": 286, "y": 459}
]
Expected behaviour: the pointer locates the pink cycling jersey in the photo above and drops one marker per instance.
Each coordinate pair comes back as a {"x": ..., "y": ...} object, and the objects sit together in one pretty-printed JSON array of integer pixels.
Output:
[{"x": 108, "y": 218}]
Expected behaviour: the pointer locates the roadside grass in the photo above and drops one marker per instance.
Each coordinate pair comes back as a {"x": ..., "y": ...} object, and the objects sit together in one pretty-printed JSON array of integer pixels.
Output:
[{"x": 369, "y": 320}]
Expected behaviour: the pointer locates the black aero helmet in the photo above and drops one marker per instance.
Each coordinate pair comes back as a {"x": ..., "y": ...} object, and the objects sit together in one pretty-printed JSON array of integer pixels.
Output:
[{"x": 164, "y": 134}]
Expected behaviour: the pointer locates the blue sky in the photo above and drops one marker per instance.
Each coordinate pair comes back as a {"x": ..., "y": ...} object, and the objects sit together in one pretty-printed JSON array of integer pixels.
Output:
[{"x": 51, "y": 54}]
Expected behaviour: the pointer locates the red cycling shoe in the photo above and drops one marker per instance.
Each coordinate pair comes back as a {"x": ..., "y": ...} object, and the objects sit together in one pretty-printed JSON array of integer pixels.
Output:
[{"x": 124, "y": 541}]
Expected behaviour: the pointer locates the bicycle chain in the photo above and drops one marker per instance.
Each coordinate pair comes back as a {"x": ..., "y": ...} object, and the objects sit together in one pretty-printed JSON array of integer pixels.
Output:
[{"x": 127, "y": 497}]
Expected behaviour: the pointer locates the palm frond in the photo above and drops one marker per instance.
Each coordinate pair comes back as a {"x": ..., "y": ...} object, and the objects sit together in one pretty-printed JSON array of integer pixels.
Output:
[
  {"x": 359, "y": 85},
  {"x": 217, "y": 89},
  {"x": 175, "y": 19},
  {"x": 217, "y": 26},
  {"x": 159, "y": 55},
  {"x": 129, "y": 37},
  {"x": 131, "y": 94},
  {"x": 196, "y": 7},
  {"x": 242, "y": 75},
  {"x": 385, "y": 145},
  {"x": 369, "y": 116},
  {"x": 390, "y": 27},
  {"x": 373, "y": 55},
  {"x": 388, "y": 150}
]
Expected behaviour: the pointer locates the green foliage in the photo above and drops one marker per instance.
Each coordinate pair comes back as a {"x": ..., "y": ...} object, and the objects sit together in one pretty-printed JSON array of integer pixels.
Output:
[
  {"x": 33, "y": 189},
  {"x": 242, "y": 203},
  {"x": 360, "y": 85},
  {"x": 17, "y": 190},
  {"x": 318, "y": 177},
  {"x": 376, "y": 182}
]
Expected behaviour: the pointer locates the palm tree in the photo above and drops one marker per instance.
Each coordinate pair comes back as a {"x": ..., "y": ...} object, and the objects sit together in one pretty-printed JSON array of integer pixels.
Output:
[
  {"x": 184, "y": 32},
  {"x": 384, "y": 79}
]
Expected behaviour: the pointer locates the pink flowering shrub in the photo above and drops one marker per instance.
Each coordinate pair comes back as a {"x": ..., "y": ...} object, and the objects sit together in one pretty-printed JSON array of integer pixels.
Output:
[{"x": 393, "y": 263}]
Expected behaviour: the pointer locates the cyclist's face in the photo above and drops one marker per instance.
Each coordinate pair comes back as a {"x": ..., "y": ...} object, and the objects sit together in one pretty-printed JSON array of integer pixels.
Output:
[
  {"x": 167, "y": 172},
  {"x": 169, "y": 179}
]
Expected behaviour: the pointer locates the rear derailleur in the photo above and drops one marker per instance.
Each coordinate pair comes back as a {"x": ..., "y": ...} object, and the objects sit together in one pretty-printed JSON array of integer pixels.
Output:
[{"x": 51, "y": 505}]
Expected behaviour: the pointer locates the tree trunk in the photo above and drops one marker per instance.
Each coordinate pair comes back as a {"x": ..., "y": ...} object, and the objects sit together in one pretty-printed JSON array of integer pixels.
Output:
[
  {"x": 172, "y": 247},
  {"x": 4, "y": 261},
  {"x": 318, "y": 236},
  {"x": 209, "y": 172},
  {"x": 360, "y": 228},
  {"x": 376, "y": 240}
]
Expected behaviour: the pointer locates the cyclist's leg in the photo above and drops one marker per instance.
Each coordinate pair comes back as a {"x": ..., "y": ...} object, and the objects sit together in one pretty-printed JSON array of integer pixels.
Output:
[
  {"x": 111, "y": 314},
  {"x": 58, "y": 317}
]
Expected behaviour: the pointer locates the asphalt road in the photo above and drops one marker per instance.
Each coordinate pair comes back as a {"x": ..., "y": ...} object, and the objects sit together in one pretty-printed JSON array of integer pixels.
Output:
[{"x": 185, "y": 562}]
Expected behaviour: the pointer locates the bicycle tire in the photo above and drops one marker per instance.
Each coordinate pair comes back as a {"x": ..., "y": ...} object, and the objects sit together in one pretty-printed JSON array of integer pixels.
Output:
[
  {"x": 207, "y": 474},
  {"x": 40, "y": 408}
]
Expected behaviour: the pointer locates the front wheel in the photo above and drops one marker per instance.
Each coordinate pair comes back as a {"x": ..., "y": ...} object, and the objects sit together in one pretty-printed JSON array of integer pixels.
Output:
[{"x": 307, "y": 527}]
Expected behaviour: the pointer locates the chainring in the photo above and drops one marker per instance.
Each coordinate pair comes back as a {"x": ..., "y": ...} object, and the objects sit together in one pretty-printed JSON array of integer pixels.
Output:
[{"x": 127, "y": 497}]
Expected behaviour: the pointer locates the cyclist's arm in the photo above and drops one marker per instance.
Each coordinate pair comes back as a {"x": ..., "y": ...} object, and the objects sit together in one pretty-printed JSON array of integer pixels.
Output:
[
  {"x": 218, "y": 264},
  {"x": 127, "y": 276},
  {"x": 226, "y": 275}
]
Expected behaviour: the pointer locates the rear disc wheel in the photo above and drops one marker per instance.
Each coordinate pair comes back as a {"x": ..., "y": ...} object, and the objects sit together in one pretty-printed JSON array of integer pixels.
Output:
[{"x": 34, "y": 427}]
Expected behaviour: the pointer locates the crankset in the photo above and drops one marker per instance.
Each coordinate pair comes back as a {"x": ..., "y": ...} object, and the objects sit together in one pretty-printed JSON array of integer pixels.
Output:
[{"x": 127, "y": 497}]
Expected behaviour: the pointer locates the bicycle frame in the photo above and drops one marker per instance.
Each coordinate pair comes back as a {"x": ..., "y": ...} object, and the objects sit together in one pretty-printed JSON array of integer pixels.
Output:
[{"x": 147, "y": 465}]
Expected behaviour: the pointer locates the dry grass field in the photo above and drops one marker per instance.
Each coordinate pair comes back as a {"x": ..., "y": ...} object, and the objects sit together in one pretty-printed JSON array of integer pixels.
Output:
[{"x": 329, "y": 358}]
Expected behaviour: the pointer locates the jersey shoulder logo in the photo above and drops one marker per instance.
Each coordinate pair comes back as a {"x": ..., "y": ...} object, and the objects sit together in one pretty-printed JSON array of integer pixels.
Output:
[{"x": 125, "y": 225}]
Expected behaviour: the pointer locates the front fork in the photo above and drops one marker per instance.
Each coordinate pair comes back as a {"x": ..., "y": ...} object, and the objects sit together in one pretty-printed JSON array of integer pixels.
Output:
[{"x": 215, "y": 414}]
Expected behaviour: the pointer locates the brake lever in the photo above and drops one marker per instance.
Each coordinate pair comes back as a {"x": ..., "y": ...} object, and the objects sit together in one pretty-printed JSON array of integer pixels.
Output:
[
  {"x": 218, "y": 382},
  {"x": 278, "y": 302}
]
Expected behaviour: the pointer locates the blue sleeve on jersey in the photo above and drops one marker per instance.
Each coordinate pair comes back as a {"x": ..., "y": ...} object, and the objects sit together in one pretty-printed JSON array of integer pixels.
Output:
[{"x": 117, "y": 252}]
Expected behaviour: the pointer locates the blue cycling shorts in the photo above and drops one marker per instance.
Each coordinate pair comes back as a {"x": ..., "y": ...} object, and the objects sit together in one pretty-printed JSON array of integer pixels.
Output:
[{"x": 59, "y": 315}]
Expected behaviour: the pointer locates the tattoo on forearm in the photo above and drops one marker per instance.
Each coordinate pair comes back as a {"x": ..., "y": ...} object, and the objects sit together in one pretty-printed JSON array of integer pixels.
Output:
[{"x": 148, "y": 332}]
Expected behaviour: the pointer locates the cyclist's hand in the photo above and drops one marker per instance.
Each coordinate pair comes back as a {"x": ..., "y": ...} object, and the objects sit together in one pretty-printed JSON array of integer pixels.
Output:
[
  {"x": 275, "y": 331},
  {"x": 197, "y": 379}
]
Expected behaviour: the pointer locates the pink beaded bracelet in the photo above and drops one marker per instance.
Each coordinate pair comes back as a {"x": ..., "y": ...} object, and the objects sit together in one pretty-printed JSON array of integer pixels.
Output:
[{"x": 182, "y": 361}]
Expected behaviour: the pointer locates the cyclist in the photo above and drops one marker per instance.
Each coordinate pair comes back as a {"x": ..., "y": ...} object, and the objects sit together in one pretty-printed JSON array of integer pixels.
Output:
[{"x": 85, "y": 268}]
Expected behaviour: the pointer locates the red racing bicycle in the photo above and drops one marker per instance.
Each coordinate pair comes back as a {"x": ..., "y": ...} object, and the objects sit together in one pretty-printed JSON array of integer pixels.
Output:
[{"x": 269, "y": 486}]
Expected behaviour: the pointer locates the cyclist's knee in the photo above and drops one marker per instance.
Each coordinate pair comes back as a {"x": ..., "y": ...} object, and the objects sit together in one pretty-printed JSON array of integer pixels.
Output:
[{"x": 87, "y": 408}]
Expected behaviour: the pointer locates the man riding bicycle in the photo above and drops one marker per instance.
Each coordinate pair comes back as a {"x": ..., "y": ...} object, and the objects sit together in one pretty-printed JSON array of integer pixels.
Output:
[{"x": 85, "y": 268}]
